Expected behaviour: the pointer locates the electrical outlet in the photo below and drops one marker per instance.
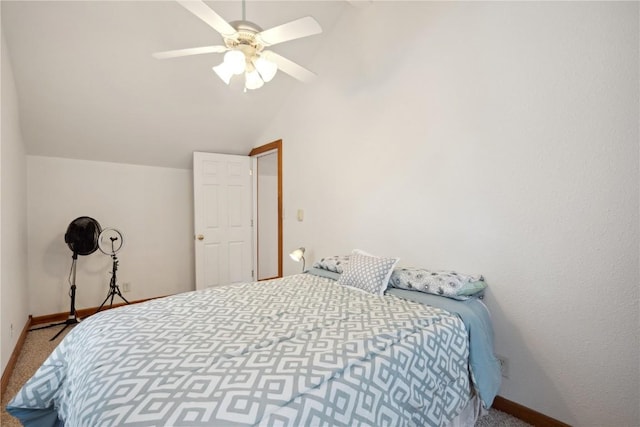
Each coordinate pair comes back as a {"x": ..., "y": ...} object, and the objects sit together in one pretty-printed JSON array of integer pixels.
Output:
[
  {"x": 126, "y": 287},
  {"x": 504, "y": 366}
]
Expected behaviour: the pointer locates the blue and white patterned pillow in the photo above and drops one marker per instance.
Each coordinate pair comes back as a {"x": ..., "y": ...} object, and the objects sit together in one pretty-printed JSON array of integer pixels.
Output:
[
  {"x": 444, "y": 283},
  {"x": 367, "y": 272},
  {"x": 333, "y": 263}
]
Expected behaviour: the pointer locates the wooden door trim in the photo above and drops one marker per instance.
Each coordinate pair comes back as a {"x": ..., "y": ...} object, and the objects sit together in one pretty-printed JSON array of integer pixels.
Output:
[{"x": 277, "y": 147}]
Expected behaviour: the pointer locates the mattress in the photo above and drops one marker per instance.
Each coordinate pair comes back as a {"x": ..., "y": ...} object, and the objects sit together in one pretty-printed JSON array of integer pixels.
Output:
[{"x": 301, "y": 350}]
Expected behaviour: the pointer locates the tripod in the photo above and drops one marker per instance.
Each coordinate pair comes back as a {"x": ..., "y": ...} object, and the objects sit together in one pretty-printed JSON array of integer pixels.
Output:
[
  {"x": 114, "y": 289},
  {"x": 73, "y": 314}
]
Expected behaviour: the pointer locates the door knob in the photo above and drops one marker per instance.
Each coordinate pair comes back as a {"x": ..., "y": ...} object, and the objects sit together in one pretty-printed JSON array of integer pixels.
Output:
[{"x": 200, "y": 237}]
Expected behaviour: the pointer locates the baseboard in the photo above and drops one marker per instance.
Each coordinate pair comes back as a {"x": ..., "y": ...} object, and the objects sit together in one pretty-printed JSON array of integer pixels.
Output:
[
  {"x": 82, "y": 313},
  {"x": 11, "y": 364},
  {"x": 526, "y": 414}
]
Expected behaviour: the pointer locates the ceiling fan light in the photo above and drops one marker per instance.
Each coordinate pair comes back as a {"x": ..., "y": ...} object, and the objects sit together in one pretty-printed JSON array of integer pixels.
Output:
[
  {"x": 235, "y": 61},
  {"x": 224, "y": 72},
  {"x": 253, "y": 80},
  {"x": 266, "y": 68}
]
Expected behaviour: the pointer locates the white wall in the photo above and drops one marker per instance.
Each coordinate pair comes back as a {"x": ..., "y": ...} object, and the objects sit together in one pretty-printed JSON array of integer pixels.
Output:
[
  {"x": 151, "y": 206},
  {"x": 497, "y": 138},
  {"x": 13, "y": 224}
]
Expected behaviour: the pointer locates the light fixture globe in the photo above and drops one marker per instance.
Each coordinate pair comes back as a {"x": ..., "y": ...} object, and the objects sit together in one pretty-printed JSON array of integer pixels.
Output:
[
  {"x": 253, "y": 80},
  {"x": 235, "y": 61},
  {"x": 224, "y": 72},
  {"x": 266, "y": 68}
]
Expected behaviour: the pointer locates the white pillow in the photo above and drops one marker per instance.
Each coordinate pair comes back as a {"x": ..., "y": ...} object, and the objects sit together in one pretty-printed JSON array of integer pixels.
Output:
[
  {"x": 444, "y": 283},
  {"x": 367, "y": 272},
  {"x": 334, "y": 263}
]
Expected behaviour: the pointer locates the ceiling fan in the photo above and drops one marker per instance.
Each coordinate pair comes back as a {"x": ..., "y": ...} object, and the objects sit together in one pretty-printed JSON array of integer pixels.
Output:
[{"x": 244, "y": 46}]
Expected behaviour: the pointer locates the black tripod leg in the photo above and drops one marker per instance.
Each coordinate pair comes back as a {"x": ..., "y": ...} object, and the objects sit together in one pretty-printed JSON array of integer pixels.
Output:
[
  {"x": 47, "y": 326},
  {"x": 120, "y": 295},
  {"x": 103, "y": 303},
  {"x": 70, "y": 321},
  {"x": 59, "y": 332},
  {"x": 66, "y": 324}
]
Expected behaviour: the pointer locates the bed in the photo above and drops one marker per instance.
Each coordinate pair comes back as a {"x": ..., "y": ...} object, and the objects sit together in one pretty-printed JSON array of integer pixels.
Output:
[{"x": 300, "y": 350}]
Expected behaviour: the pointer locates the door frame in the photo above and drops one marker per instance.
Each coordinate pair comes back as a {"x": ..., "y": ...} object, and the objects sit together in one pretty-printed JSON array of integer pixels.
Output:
[{"x": 275, "y": 146}]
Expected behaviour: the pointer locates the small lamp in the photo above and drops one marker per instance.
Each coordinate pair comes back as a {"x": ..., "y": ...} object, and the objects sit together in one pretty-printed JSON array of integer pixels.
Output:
[{"x": 298, "y": 255}]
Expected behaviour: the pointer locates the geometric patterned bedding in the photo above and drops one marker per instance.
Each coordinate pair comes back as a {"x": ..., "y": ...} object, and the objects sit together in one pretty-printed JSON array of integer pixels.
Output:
[{"x": 300, "y": 350}]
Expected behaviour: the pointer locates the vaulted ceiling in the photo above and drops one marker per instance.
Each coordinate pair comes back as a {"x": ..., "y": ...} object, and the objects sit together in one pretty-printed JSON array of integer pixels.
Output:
[{"x": 88, "y": 87}]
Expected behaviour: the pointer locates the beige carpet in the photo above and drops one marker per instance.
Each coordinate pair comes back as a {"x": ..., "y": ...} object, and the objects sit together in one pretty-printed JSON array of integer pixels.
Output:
[{"x": 37, "y": 347}]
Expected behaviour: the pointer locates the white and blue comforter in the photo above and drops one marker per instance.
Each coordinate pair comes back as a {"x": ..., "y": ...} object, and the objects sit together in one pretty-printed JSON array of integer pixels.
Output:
[{"x": 296, "y": 351}]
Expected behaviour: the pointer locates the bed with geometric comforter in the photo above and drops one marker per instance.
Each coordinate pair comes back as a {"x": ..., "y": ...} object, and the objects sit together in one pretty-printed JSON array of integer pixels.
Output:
[{"x": 300, "y": 350}]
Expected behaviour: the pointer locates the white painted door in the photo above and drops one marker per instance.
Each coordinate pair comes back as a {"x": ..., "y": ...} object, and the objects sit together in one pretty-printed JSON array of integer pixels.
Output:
[{"x": 223, "y": 210}]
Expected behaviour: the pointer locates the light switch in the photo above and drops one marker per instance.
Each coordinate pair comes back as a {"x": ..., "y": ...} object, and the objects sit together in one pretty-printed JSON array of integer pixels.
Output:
[{"x": 300, "y": 215}]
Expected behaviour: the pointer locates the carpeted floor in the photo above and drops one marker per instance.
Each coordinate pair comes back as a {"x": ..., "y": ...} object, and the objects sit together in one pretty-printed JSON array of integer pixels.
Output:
[{"x": 37, "y": 347}]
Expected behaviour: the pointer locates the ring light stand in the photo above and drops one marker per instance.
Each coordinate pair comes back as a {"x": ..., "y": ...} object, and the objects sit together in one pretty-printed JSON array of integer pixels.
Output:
[{"x": 110, "y": 242}]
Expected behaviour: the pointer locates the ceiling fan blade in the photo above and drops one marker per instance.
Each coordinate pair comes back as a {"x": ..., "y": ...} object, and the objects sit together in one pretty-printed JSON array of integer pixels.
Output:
[
  {"x": 290, "y": 67},
  {"x": 204, "y": 12},
  {"x": 190, "y": 51},
  {"x": 299, "y": 28}
]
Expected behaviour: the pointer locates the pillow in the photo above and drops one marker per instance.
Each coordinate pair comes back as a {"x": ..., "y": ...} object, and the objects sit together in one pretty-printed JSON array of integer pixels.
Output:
[
  {"x": 333, "y": 263},
  {"x": 444, "y": 283},
  {"x": 367, "y": 272},
  {"x": 323, "y": 273}
]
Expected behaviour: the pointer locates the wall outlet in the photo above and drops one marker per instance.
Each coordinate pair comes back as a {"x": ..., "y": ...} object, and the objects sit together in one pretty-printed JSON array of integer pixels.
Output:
[
  {"x": 504, "y": 366},
  {"x": 126, "y": 287}
]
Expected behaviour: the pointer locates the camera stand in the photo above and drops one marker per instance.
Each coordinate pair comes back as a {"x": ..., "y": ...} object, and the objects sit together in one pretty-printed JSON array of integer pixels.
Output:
[{"x": 114, "y": 289}]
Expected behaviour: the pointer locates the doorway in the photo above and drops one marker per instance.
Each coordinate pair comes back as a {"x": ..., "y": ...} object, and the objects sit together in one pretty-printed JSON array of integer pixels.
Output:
[{"x": 267, "y": 166}]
